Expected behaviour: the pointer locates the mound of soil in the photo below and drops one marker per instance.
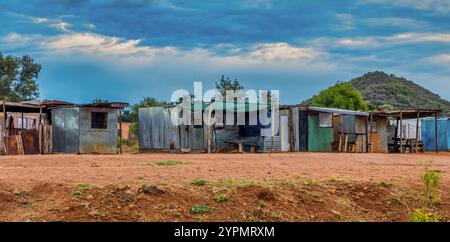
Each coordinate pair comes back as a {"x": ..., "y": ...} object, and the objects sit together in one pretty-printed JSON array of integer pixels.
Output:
[{"x": 277, "y": 201}]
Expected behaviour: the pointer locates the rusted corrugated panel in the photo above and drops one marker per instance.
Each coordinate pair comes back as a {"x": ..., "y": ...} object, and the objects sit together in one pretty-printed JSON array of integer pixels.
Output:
[
  {"x": 12, "y": 144},
  {"x": 380, "y": 136},
  {"x": 30, "y": 142},
  {"x": 295, "y": 129}
]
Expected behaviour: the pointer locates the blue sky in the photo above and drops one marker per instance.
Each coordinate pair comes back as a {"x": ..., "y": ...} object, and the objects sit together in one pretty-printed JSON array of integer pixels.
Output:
[{"x": 123, "y": 50}]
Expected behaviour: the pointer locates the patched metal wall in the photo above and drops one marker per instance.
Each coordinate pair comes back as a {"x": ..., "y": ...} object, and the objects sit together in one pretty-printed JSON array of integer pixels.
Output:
[
  {"x": 95, "y": 140},
  {"x": 157, "y": 132},
  {"x": 319, "y": 139},
  {"x": 65, "y": 130}
]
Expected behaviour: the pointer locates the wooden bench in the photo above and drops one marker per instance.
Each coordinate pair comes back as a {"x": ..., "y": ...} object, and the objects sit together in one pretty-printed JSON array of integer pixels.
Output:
[{"x": 240, "y": 144}]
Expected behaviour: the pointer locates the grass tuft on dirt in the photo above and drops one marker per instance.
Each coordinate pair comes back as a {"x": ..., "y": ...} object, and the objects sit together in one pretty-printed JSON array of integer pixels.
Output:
[
  {"x": 169, "y": 163},
  {"x": 200, "y": 209}
]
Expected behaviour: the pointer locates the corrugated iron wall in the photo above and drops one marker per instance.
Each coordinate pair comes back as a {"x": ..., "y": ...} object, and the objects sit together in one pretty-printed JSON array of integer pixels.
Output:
[
  {"x": 380, "y": 138},
  {"x": 428, "y": 134},
  {"x": 448, "y": 134},
  {"x": 65, "y": 130},
  {"x": 284, "y": 133},
  {"x": 295, "y": 133},
  {"x": 95, "y": 140},
  {"x": 156, "y": 130}
]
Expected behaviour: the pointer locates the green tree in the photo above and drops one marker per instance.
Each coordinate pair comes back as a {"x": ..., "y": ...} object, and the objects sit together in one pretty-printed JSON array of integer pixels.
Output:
[
  {"x": 18, "y": 78},
  {"x": 342, "y": 95},
  {"x": 99, "y": 101},
  {"x": 146, "y": 102},
  {"x": 227, "y": 84}
]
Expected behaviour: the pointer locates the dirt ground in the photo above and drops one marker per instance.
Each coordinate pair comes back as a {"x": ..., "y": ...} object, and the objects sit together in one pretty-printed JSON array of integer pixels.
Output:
[{"x": 257, "y": 187}]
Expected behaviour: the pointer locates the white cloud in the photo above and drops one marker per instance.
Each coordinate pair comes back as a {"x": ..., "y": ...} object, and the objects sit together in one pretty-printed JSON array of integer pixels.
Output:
[
  {"x": 441, "y": 60},
  {"x": 382, "y": 41},
  {"x": 14, "y": 38},
  {"x": 283, "y": 52},
  {"x": 439, "y": 6}
]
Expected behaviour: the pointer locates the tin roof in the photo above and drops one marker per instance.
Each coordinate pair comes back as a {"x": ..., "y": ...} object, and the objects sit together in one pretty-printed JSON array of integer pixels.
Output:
[{"x": 337, "y": 111}]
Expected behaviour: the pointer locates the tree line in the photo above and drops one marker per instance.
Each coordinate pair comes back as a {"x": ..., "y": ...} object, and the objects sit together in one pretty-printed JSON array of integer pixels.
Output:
[{"x": 19, "y": 82}]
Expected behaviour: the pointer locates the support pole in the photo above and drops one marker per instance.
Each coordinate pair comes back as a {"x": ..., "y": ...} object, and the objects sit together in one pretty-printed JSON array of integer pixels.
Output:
[
  {"x": 401, "y": 131},
  {"x": 341, "y": 135},
  {"x": 417, "y": 131},
  {"x": 5, "y": 117},
  {"x": 371, "y": 133},
  {"x": 120, "y": 130},
  {"x": 367, "y": 134},
  {"x": 39, "y": 129},
  {"x": 436, "y": 131}
]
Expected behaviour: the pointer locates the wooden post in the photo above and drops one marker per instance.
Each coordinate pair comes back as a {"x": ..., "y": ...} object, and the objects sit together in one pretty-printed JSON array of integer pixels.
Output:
[
  {"x": 4, "y": 134},
  {"x": 341, "y": 133},
  {"x": 346, "y": 143},
  {"x": 39, "y": 129},
  {"x": 401, "y": 131},
  {"x": 367, "y": 133},
  {"x": 436, "y": 131},
  {"x": 417, "y": 131},
  {"x": 120, "y": 130},
  {"x": 371, "y": 132}
]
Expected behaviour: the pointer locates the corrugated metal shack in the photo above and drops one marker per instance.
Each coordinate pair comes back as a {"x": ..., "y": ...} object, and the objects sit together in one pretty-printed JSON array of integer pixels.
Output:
[
  {"x": 88, "y": 128},
  {"x": 429, "y": 131},
  {"x": 158, "y": 133},
  {"x": 317, "y": 129},
  {"x": 25, "y": 128}
]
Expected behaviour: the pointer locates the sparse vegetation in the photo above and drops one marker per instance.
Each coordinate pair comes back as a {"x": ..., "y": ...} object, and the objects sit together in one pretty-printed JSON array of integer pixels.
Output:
[
  {"x": 431, "y": 180},
  {"x": 221, "y": 197},
  {"x": 80, "y": 188},
  {"x": 199, "y": 182},
  {"x": 420, "y": 215},
  {"x": 83, "y": 187},
  {"x": 241, "y": 182},
  {"x": 200, "y": 209},
  {"x": 170, "y": 163}
]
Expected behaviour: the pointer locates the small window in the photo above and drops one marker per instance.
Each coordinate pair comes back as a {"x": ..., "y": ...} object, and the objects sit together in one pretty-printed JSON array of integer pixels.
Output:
[
  {"x": 99, "y": 120},
  {"x": 325, "y": 120}
]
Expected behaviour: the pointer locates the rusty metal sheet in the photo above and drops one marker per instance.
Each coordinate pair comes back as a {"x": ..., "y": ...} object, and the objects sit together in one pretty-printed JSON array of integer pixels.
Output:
[
  {"x": 30, "y": 142},
  {"x": 12, "y": 144}
]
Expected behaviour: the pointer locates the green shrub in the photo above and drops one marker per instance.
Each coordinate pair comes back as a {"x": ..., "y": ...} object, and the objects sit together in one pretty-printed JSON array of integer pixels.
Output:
[
  {"x": 83, "y": 187},
  {"x": 200, "y": 209},
  {"x": 199, "y": 182},
  {"x": 431, "y": 180},
  {"x": 421, "y": 215},
  {"x": 221, "y": 197}
]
